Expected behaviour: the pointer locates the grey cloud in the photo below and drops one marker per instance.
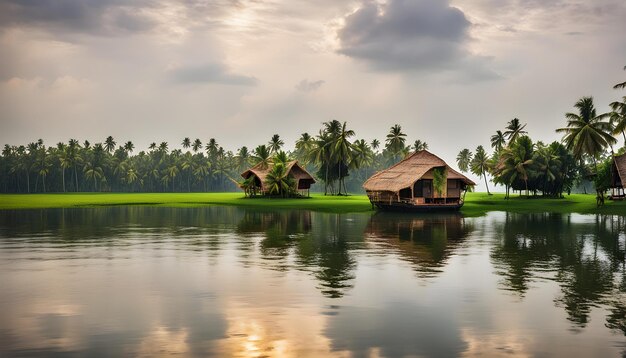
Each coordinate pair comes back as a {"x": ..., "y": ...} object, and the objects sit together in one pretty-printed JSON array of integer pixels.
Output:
[
  {"x": 95, "y": 17},
  {"x": 209, "y": 73},
  {"x": 406, "y": 34},
  {"x": 307, "y": 86}
]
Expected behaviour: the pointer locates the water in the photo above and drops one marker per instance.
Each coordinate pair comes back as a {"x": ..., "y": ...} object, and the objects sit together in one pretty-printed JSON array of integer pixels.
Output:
[{"x": 223, "y": 281}]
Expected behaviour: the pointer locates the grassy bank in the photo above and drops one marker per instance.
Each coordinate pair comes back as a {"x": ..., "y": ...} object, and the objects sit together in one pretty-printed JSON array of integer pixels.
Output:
[{"x": 475, "y": 204}]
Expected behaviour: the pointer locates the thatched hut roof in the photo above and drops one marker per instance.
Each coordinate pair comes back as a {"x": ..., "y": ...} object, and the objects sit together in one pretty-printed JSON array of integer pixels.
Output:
[
  {"x": 620, "y": 165},
  {"x": 405, "y": 173},
  {"x": 294, "y": 169}
]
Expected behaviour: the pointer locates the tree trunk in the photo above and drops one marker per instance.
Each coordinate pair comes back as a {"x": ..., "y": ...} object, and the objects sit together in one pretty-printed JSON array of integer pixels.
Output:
[
  {"x": 44, "y": 183},
  {"x": 75, "y": 178},
  {"x": 63, "y": 169},
  {"x": 486, "y": 185},
  {"x": 28, "y": 182}
]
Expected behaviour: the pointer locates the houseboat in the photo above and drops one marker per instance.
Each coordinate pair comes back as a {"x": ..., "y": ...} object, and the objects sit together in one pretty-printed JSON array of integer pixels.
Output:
[{"x": 420, "y": 182}]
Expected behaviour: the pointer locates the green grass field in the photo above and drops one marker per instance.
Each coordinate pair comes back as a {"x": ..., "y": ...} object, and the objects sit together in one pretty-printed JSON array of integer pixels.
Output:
[{"x": 475, "y": 203}]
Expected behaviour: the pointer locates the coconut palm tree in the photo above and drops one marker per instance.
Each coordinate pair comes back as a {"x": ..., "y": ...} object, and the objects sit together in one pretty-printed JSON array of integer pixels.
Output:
[
  {"x": 498, "y": 141},
  {"x": 362, "y": 155},
  {"x": 518, "y": 159},
  {"x": 109, "y": 144},
  {"x": 375, "y": 144},
  {"x": 587, "y": 133},
  {"x": 197, "y": 144},
  {"x": 463, "y": 160},
  {"x": 395, "y": 141},
  {"x": 243, "y": 158},
  {"x": 618, "y": 117},
  {"x": 279, "y": 182},
  {"x": 129, "y": 147},
  {"x": 262, "y": 156},
  {"x": 419, "y": 145},
  {"x": 93, "y": 171},
  {"x": 341, "y": 150},
  {"x": 514, "y": 129},
  {"x": 480, "y": 164},
  {"x": 280, "y": 157},
  {"x": 186, "y": 143},
  {"x": 275, "y": 143},
  {"x": 163, "y": 147},
  {"x": 304, "y": 145}
]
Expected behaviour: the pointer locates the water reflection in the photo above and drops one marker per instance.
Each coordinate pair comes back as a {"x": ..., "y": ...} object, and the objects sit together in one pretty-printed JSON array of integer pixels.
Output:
[
  {"x": 586, "y": 257},
  {"x": 146, "y": 281},
  {"x": 426, "y": 241}
]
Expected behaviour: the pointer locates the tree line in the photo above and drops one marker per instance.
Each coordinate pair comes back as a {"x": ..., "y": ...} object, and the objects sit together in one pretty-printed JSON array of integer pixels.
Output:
[
  {"x": 338, "y": 161},
  {"x": 585, "y": 152}
]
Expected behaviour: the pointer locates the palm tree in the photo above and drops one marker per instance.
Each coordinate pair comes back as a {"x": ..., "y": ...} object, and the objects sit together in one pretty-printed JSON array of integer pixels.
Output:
[
  {"x": 375, "y": 144},
  {"x": 109, "y": 144},
  {"x": 86, "y": 144},
  {"x": 93, "y": 171},
  {"x": 514, "y": 129},
  {"x": 587, "y": 133},
  {"x": 419, "y": 145},
  {"x": 171, "y": 172},
  {"x": 186, "y": 164},
  {"x": 278, "y": 181},
  {"x": 65, "y": 162},
  {"x": 463, "y": 160},
  {"x": 498, "y": 140},
  {"x": 342, "y": 152},
  {"x": 163, "y": 147},
  {"x": 186, "y": 143},
  {"x": 395, "y": 141},
  {"x": 281, "y": 157},
  {"x": 304, "y": 144},
  {"x": 129, "y": 147},
  {"x": 262, "y": 156},
  {"x": 275, "y": 143},
  {"x": 152, "y": 146},
  {"x": 243, "y": 158},
  {"x": 197, "y": 144},
  {"x": 518, "y": 158},
  {"x": 74, "y": 159},
  {"x": 480, "y": 164},
  {"x": 618, "y": 117},
  {"x": 362, "y": 155}
]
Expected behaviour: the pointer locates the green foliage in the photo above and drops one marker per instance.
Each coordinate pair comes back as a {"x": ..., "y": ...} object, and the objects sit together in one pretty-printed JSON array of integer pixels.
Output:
[{"x": 440, "y": 181}]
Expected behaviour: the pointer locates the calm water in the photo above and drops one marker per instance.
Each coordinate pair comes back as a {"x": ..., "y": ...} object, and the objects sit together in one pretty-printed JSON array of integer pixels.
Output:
[{"x": 144, "y": 281}]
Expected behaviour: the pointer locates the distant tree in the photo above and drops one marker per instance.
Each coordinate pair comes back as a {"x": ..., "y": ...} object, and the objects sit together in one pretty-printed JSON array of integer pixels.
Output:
[
  {"x": 498, "y": 141},
  {"x": 480, "y": 164},
  {"x": 275, "y": 143},
  {"x": 261, "y": 156},
  {"x": 375, "y": 144},
  {"x": 197, "y": 144},
  {"x": 395, "y": 141},
  {"x": 463, "y": 160},
  {"x": 419, "y": 145},
  {"x": 514, "y": 129},
  {"x": 186, "y": 143},
  {"x": 129, "y": 147},
  {"x": 109, "y": 144}
]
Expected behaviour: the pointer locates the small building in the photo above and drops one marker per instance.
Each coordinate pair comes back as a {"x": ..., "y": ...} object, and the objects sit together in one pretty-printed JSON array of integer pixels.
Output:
[
  {"x": 618, "y": 177},
  {"x": 422, "y": 181},
  {"x": 303, "y": 180}
]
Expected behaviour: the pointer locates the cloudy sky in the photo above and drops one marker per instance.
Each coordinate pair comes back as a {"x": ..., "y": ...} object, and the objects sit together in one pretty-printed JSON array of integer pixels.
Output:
[{"x": 449, "y": 72}]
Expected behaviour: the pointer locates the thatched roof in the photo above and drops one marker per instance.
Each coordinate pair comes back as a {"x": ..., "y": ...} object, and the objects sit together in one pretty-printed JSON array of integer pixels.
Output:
[
  {"x": 408, "y": 171},
  {"x": 620, "y": 164},
  {"x": 294, "y": 169}
]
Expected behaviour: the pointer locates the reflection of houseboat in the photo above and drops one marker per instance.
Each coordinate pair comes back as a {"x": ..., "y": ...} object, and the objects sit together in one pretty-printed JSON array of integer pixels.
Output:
[{"x": 420, "y": 182}]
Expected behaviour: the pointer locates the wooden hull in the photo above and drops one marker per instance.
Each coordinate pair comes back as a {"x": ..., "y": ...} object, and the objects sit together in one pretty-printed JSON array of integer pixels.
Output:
[{"x": 411, "y": 207}]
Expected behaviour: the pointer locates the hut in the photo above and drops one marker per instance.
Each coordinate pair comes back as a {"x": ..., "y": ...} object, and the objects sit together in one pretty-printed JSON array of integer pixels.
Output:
[
  {"x": 618, "y": 177},
  {"x": 303, "y": 180},
  {"x": 422, "y": 182}
]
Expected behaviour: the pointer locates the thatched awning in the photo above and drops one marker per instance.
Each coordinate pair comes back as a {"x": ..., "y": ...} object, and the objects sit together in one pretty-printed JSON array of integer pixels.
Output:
[
  {"x": 620, "y": 165},
  {"x": 405, "y": 173},
  {"x": 294, "y": 169}
]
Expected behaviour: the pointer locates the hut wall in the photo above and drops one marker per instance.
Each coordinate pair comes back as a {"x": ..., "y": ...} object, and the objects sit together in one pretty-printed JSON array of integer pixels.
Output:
[{"x": 454, "y": 188}]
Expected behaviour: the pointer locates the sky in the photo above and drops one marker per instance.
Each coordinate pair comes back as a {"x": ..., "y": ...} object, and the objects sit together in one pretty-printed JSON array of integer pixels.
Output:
[{"x": 450, "y": 72}]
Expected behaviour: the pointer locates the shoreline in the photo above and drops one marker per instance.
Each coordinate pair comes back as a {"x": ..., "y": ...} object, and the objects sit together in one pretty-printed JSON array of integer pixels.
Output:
[{"x": 476, "y": 204}]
